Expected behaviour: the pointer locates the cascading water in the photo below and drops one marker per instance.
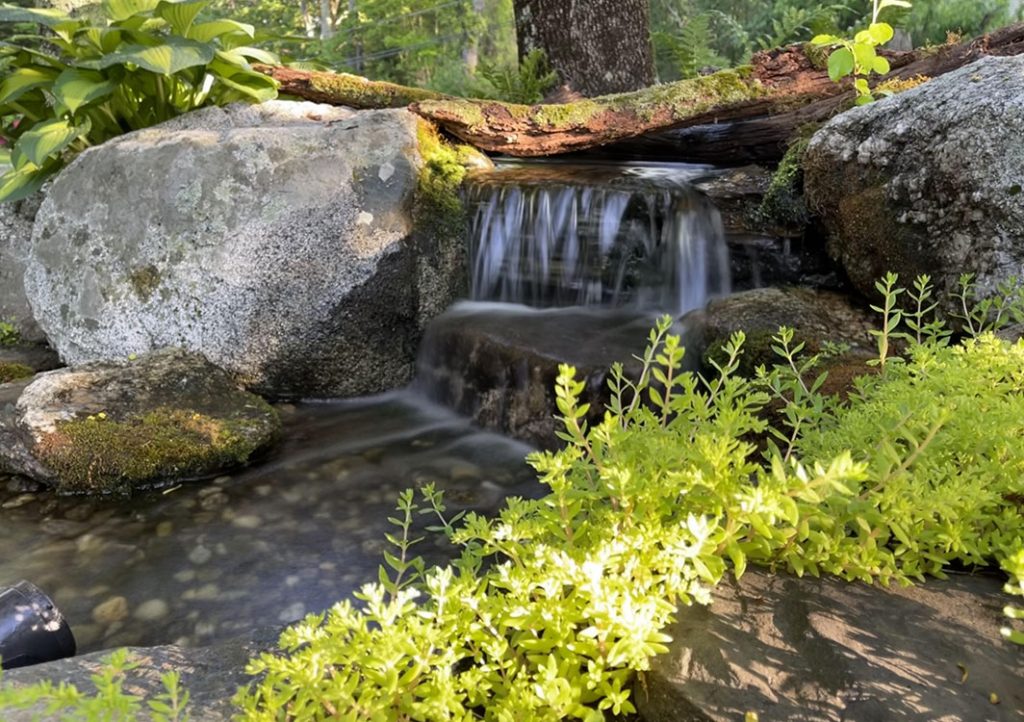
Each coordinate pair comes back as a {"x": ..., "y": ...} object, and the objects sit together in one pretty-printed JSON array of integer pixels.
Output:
[{"x": 638, "y": 237}]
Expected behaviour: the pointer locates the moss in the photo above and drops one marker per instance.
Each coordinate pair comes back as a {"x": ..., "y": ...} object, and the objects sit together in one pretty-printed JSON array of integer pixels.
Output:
[
  {"x": 362, "y": 93},
  {"x": 14, "y": 371},
  {"x": 144, "y": 281},
  {"x": 898, "y": 85},
  {"x": 783, "y": 204},
  {"x": 101, "y": 455}
]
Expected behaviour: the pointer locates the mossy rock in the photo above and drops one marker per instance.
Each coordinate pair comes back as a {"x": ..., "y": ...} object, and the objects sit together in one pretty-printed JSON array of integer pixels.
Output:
[
  {"x": 115, "y": 428},
  {"x": 14, "y": 372}
]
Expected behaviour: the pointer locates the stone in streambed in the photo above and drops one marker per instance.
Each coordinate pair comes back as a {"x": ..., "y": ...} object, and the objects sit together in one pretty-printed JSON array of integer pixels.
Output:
[{"x": 115, "y": 427}]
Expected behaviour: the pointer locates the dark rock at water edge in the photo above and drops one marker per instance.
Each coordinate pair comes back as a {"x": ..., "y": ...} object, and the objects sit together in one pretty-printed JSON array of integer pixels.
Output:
[
  {"x": 820, "y": 650},
  {"x": 107, "y": 427},
  {"x": 927, "y": 181},
  {"x": 498, "y": 363}
]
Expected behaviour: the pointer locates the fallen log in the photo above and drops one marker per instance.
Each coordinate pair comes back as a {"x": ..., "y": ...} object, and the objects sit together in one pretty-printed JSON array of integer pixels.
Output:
[{"x": 788, "y": 87}]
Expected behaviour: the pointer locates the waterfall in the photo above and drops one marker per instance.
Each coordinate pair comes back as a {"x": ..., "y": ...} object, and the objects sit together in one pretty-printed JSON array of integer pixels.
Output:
[{"x": 568, "y": 238}]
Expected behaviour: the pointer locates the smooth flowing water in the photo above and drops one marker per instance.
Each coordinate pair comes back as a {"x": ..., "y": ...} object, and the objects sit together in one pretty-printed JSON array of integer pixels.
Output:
[
  {"x": 602, "y": 249},
  {"x": 585, "y": 235}
]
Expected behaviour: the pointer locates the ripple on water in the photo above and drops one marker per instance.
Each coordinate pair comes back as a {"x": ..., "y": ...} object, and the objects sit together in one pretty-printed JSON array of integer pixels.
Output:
[{"x": 204, "y": 562}]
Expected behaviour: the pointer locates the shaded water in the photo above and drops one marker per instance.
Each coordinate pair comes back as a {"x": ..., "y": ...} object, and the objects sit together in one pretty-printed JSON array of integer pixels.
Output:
[
  {"x": 579, "y": 235},
  {"x": 206, "y": 562}
]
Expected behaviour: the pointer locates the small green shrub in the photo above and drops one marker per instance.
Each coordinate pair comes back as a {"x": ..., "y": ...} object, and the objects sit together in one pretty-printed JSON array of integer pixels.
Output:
[
  {"x": 524, "y": 83},
  {"x": 66, "y": 703},
  {"x": 9, "y": 335},
  {"x": 86, "y": 80},
  {"x": 858, "y": 58}
]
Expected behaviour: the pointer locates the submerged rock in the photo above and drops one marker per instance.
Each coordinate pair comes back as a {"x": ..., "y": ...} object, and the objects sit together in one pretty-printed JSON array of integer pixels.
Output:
[
  {"x": 927, "y": 181},
  {"x": 300, "y": 247},
  {"x": 822, "y": 650},
  {"x": 108, "y": 427}
]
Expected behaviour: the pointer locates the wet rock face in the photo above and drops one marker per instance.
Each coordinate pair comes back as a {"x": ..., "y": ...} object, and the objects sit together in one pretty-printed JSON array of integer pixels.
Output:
[
  {"x": 275, "y": 240},
  {"x": 498, "y": 363},
  {"x": 927, "y": 181},
  {"x": 824, "y": 650},
  {"x": 104, "y": 427}
]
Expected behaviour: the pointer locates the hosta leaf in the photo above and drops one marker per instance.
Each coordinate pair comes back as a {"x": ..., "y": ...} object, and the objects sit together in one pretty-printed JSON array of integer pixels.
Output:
[
  {"x": 205, "y": 32},
  {"x": 23, "y": 80},
  {"x": 242, "y": 55},
  {"x": 75, "y": 88},
  {"x": 47, "y": 139},
  {"x": 21, "y": 183},
  {"x": 181, "y": 15},
  {"x": 174, "y": 55},
  {"x": 840, "y": 64},
  {"x": 44, "y": 16},
  {"x": 119, "y": 10}
]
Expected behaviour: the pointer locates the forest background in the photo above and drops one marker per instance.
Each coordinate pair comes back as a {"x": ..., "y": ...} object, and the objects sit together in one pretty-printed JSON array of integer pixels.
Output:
[{"x": 467, "y": 47}]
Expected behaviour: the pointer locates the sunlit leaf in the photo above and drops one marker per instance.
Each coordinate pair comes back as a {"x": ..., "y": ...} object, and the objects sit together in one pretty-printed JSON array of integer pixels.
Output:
[
  {"x": 23, "y": 80},
  {"x": 205, "y": 32},
  {"x": 840, "y": 64},
  {"x": 46, "y": 139},
  {"x": 75, "y": 88},
  {"x": 181, "y": 15},
  {"x": 174, "y": 55},
  {"x": 119, "y": 10}
]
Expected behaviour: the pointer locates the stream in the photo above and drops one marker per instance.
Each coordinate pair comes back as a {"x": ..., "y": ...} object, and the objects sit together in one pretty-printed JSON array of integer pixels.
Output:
[{"x": 579, "y": 257}]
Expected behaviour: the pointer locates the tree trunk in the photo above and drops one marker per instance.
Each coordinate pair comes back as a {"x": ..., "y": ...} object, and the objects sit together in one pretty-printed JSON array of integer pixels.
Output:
[{"x": 598, "y": 47}]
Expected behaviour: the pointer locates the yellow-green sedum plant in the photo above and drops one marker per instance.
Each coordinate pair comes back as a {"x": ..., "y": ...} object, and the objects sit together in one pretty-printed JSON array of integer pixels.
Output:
[
  {"x": 119, "y": 66},
  {"x": 550, "y": 609}
]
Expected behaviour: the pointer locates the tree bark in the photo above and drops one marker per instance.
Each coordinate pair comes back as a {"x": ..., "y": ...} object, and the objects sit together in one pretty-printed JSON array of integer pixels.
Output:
[{"x": 597, "y": 47}]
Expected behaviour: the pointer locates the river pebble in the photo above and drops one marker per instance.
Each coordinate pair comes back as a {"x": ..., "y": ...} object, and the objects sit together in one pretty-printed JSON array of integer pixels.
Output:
[
  {"x": 152, "y": 610},
  {"x": 110, "y": 611}
]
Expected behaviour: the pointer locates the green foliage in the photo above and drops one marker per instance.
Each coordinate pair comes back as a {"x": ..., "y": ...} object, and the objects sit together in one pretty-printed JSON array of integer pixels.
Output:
[
  {"x": 14, "y": 372},
  {"x": 549, "y": 608},
  {"x": 9, "y": 335},
  {"x": 88, "y": 79},
  {"x": 66, "y": 703},
  {"x": 858, "y": 58},
  {"x": 1014, "y": 566},
  {"x": 524, "y": 83}
]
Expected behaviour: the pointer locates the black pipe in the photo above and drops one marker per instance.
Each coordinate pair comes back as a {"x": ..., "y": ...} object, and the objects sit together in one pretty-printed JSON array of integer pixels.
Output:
[{"x": 32, "y": 629}]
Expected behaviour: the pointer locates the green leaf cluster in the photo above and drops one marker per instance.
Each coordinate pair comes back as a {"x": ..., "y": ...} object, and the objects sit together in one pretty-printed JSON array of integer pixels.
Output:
[
  {"x": 110, "y": 703},
  {"x": 524, "y": 83},
  {"x": 859, "y": 58},
  {"x": 134, "y": 63},
  {"x": 1014, "y": 566},
  {"x": 551, "y": 607}
]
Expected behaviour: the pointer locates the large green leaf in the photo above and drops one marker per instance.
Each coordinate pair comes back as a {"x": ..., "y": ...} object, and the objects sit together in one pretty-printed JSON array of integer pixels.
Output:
[
  {"x": 840, "y": 63},
  {"x": 120, "y": 10},
  {"x": 18, "y": 184},
  {"x": 241, "y": 56},
  {"x": 250, "y": 84},
  {"x": 205, "y": 32},
  {"x": 44, "y": 16},
  {"x": 23, "y": 80},
  {"x": 181, "y": 15},
  {"x": 174, "y": 55},
  {"x": 75, "y": 88},
  {"x": 48, "y": 139}
]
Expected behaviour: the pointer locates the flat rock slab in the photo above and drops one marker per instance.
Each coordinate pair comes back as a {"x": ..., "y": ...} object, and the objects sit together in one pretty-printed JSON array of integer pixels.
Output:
[
  {"x": 823, "y": 649},
  {"x": 211, "y": 674}
]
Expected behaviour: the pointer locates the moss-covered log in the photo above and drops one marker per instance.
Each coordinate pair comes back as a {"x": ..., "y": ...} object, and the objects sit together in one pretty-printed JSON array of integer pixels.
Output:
[
  {"x": 789, "y": 86},
  {"x": 345, "y": 89}
]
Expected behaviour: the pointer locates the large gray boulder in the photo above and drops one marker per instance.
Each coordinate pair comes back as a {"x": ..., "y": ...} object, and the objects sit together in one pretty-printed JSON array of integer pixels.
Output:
[
  {"x": 16, "y": 220},
  {"x": 281, "y": 241},
  {"x": 823, "y": 650},
  {"x": 927, "y": 181},
  {"x": 114, "y": 427}
]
